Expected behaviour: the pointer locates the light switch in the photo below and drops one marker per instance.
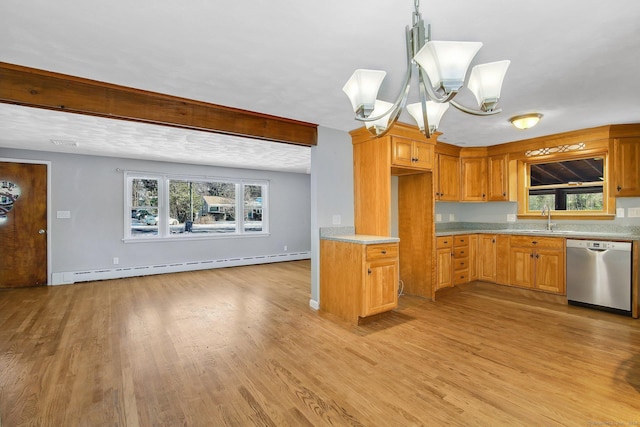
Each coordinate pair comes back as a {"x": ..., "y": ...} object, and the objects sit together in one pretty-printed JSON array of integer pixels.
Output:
[
  {"x": 63, "y": 214},
  {"x": 452, "y": 217},
  {"x": 620, "y": 212},
  {"x": 337, "y": 220}
]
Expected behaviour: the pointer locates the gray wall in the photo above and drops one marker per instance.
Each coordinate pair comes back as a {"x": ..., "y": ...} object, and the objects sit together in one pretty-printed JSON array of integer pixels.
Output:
[
  {"x": 331, "y": 193},
  {"x": 91, "y": 188}
]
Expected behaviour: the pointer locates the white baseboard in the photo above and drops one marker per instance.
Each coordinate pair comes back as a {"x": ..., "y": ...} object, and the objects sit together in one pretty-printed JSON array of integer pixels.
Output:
[
  {"x": 314, "y": 304},
  {"x": 69, "y": 277}
]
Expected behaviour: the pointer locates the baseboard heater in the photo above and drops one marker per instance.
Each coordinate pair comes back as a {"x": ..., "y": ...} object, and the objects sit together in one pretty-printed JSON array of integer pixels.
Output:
[{"x": 69, "y": 277}]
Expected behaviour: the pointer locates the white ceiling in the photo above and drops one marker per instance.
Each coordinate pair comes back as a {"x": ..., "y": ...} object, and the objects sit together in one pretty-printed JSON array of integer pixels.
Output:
[{"x": 575, "y": 61}]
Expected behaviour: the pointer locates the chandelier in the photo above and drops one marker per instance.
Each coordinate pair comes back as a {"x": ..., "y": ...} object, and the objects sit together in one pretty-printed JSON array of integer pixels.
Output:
[{"x": 441, "y": 67}]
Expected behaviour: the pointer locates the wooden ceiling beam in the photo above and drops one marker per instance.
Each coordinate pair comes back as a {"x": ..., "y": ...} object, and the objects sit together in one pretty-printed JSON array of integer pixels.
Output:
[{"x": 53, "y": 91}]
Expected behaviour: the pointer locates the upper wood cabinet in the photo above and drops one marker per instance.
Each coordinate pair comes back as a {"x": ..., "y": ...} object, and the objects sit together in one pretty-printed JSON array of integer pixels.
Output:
[
  {"x": 626, "y": 182},
  {"x": 447, "y": 178},
  {"x": 474, "y": 179},
  {"x": 498, "y": 178},
  {"x": 412, "y": 154}
]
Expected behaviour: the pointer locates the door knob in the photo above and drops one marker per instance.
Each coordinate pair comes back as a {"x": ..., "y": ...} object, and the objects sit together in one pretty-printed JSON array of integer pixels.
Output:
[{"x": 41, "y": 231}]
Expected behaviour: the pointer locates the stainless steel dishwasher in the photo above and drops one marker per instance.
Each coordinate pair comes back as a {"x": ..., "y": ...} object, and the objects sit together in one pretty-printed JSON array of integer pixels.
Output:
[{"x": 599, "y": 275}]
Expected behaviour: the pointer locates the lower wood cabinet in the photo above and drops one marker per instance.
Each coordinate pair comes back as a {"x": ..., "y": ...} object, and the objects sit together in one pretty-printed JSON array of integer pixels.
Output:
[
  {"x": 538, "y": 263},
  {"x": 358, "y": 279},
  {"x": 532, "y": 262},
  {"x": 454, "y": 261}
]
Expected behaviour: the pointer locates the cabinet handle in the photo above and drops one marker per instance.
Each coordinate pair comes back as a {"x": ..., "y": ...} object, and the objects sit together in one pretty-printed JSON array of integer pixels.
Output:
[
  {"x": 384, "y": 252},
  {"x": 534, "y": 242},
  {"x": 369, "y": 271},
  {"x": 619, "y": 188},
  {"x": 483, "y": 195},
  {"x": 537, "y": 256},
  {"x": 461, "y": 252},
  {"x": 462, "y": 263},
  {"x": 530, "y": 256},
  {"x": 504, "y": 194},
  {"x": 493, "y": 240}
]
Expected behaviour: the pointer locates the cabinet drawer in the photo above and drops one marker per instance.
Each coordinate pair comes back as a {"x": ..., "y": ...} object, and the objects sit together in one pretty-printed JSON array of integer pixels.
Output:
[
  {"x": 460, "y": 277},
  {"x": 460, "y": 264},
  {"x": 461, "y": 240},
  {"x": 444, "y": 242},
  {"x": 383, "y": 250},
  {"x": 460, "y": 252},
  {"x": 537, "y": 242}
]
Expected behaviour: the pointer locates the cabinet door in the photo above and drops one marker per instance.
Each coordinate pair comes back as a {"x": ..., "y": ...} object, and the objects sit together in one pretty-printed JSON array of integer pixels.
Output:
[
  {"x": 380, "y": 291},
  {"x": 423, "y": 155},
  {"x": 498, "y": 182},
  {"x": 627, "y": 171},
  {"x": 444, "y": 268},
  {"x": 487, "y": 255},
  {"x": 402, "y": 152},
  {"x": 521, "y": 267},
  {"x": 502, "y": 259},
  {"x": 549, "y": 270},
  {"x": 448, "y": 178},
  {"x": 474, "y": 179},
  {"x": 473, "y": 257}
]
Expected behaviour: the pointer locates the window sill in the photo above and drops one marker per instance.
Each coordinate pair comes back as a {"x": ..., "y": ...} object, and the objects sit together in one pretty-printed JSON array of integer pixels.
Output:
[
  {"x": 192, "y": 237},
  {"x": 572, "y": 216}
]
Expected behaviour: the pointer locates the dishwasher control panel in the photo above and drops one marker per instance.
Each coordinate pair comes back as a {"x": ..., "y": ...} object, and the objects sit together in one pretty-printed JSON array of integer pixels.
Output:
[{"x": 599, "y": 244}]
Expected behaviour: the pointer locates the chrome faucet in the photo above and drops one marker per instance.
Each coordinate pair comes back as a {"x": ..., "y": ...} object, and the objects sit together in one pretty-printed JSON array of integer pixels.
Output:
[{"x": 546, "y": 210}]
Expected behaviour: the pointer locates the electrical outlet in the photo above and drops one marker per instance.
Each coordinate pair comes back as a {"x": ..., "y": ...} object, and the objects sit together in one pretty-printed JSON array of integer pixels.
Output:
[
  {"x": 452, "y": 217},
  {"x": 633, "y": 212},
  {"x": 620, "y": 213},
  {"x": 285, "y": 247},
  {"x": 511, "y": 217},
  {"x": 337, "y": 220},
  {"x": 63, "y": 214},
  {"x": 116, "y": 260},
  {"x": 438, "y": 217}
]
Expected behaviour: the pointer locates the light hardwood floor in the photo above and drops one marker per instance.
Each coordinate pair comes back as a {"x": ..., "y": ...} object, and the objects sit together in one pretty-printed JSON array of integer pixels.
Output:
[{"x": 240, "y": 346}]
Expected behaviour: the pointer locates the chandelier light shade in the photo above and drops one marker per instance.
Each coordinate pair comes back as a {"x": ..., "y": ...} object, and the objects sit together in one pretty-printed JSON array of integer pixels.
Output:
[
  {"x": 446, "y": 63},
  {"x": 379, "y": 110},
  {"x": 485, "y": 82},
  {"x": 435, "y": 111},
  {"x": 526, "y": 121},
  {"x": 441, "y": 68},
  {"x": 362, "y": 89}
]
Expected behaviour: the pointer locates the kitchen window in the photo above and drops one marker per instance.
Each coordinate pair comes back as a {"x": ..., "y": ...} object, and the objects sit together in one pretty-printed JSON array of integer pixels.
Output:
[
  {"x": 570, "y": 185},
  {"x": 172, "y": 207}
]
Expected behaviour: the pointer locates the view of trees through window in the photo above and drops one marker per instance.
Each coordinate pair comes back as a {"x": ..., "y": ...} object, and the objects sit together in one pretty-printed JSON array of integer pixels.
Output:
[
  {"x": 567, "y": 185},
  {"x": 195, "y": 207}
]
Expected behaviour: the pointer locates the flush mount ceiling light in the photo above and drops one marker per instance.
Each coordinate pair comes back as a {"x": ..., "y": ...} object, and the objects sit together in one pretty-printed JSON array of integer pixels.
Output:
[
  {"x": 441, "y": 67},
  {"x": 526, "y": 121}
]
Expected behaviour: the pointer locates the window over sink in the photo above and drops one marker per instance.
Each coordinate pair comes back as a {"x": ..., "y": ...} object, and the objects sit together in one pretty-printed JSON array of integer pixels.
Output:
[{"x": 570, "y": 184}]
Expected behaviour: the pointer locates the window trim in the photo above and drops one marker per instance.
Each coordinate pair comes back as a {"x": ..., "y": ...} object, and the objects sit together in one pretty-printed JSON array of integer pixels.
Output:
[
  {"x": 523, "y": 170},
  {"x": 164, "y": 233}
]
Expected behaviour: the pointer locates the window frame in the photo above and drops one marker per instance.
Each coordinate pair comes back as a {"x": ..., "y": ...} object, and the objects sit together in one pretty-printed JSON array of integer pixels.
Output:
[
  {"x": 524, "y": 185},
  {"x": 164, "y": 231}
]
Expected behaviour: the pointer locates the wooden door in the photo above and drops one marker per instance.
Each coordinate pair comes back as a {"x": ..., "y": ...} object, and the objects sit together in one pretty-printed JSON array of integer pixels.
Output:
[
  {"x": 444, "y": 268},
  {"x": 521, "y": 267},
  {"x": 474, "y": 179},
  {"x": 448, "y": 178},
  {"x": 549, "y": 270},
  {"x": 423, "y": 153},
  {"x": 487, "y": 255},
  {"x": 23, "y": 226},
  {"x": 473, "y": 257},
  {"x": 498, "y": 178},
  {"x": 627, "y": 171},
  {"x": 402, "y": 151},
  {"x": 380, "y": 287}
]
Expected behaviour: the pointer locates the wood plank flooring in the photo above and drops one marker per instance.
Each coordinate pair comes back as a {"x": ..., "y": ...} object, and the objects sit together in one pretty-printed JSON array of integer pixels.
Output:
[{"x": 241, "y": 347}]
